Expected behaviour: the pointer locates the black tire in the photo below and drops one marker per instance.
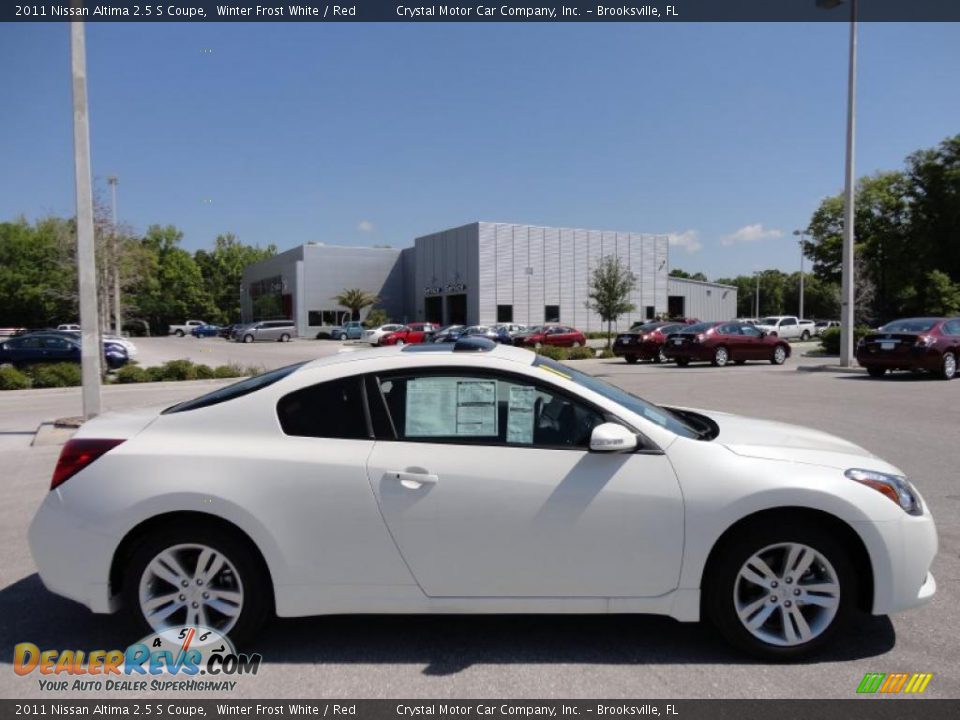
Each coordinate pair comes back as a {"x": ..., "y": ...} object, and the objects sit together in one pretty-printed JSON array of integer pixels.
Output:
[
  {"x": 258, "y": 595},
  {"x": 683, "y": 362},
  {"x": 876, "y": 372},
  {"x": 720, "y": 578},
  {"x": 179, "y": 333},
  {"x": 779, "y": 359},
  {"x": 661, "y": 356},
  {"x": 721, "y": 356},
  {"x": 631, "y": 359},
  {"x": 248, "y": 338},
  {"x": 284, "y": 338},
  {"x": 805, "y": 336},
  {"x": 740, "y": 362},
  {"x": 342, "y": 336},
  {"x": 948, "y": 366}
]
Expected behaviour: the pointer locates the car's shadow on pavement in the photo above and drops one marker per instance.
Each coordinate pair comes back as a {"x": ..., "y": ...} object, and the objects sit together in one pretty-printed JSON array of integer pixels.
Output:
[{"x": 445, "y": 644}]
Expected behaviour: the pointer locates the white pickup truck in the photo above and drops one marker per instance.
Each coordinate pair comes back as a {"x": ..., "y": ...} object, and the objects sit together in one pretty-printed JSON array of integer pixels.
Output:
[
  {"x": 181, "y": 330},
  {"x": 789, "y": 327}
]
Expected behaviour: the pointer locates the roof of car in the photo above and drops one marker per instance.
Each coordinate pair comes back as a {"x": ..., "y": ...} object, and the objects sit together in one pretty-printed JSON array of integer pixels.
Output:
[{"x": 428, "y": 352}]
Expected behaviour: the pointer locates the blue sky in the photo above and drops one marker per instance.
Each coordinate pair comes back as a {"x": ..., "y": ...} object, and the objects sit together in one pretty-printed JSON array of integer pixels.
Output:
[{"x": 725, "y": 135}]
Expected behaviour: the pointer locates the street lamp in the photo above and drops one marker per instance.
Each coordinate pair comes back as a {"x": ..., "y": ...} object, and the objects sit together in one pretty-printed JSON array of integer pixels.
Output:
[
  {"x": 801, "y": 234},
  {"x": 847, "y": 289}
]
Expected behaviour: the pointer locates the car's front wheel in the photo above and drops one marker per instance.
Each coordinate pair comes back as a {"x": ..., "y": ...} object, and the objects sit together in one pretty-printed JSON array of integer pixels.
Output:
[
  {"x": 631, "y": 359},
  {"x": 780, "y": 590},
  {"x": 948, "y": 366},
  {"x": 197, "y": 576},
  {"x": 720, "y": 356},
  {"x": 179, "y": 333},
  {"x": 876, "y": 372},
  {"x": 248, "y": 338},
  {"x": 779, "y": 356}
]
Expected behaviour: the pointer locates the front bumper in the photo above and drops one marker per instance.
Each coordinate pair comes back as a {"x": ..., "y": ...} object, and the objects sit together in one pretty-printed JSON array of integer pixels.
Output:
[
  {"x": 73, "y": 560},
  {"x": 901, "y": 552}
]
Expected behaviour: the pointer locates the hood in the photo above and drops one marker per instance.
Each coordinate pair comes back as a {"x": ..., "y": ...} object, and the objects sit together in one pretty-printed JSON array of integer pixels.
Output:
[{"x": 772, "y": 440}]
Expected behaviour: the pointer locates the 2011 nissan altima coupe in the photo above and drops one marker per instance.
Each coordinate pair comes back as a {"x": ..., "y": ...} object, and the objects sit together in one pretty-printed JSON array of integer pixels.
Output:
[{"x": 476, "y": 478}]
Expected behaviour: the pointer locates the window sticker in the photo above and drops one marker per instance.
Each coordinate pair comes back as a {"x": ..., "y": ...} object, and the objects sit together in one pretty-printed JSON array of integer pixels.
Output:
[
  {"x": 477, "y": 408},
  {"x": 431, "y": 407},
  {"x": 520, "y": 414}
]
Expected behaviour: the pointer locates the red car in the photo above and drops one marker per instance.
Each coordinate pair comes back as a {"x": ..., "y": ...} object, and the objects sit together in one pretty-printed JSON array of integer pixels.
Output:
[
  {"x": 645, "y": 342},
  {"x": 556, "y": 335},
  {"x": 723, "y": 342},
  {"x": 931, "y": 344},
  {"x": 410, "y": 334}
]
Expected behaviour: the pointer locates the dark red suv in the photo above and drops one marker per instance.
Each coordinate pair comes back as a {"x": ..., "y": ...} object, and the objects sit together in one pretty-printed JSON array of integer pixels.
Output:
[
  {"x": 930, "y": 344},
  {"x": 645, "y": 342},
  {"x": 723, "y": 342}
]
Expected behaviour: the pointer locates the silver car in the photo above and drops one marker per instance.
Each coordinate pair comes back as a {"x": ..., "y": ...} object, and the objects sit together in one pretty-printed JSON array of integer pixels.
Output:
[{"x": 281, "y": 330}]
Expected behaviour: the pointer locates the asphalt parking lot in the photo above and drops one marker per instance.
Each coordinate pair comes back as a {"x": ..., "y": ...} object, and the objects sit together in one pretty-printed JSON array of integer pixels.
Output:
[{"x": 909, "y": 420}]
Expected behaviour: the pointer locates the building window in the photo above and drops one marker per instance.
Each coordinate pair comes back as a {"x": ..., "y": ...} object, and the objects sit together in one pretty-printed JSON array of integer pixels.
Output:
[
  {"x": 325, "y": 317},
  {"x": 504, "y": 313},
  {"x": 551, "y": 313},
  {"x": 651, "y": 312}
]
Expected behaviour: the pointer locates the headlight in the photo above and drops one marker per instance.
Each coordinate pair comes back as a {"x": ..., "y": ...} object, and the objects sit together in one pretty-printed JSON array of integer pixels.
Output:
[{"x": 895, "y": 487}]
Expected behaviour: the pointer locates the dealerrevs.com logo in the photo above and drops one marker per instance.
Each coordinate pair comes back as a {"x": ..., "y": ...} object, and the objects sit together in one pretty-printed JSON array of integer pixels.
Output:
[
  {"x": 894, "y": 683},
  {"x": 182, "y": 658}
]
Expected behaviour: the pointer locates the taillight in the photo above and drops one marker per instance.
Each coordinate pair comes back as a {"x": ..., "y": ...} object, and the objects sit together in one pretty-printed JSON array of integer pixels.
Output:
[
  {"x": 926, "y": 340},
  {"x": 77, "y": 454}
]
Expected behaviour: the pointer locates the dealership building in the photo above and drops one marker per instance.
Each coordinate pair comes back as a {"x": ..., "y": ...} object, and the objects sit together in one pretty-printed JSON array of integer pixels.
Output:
[{"x": 478, "y": 274}]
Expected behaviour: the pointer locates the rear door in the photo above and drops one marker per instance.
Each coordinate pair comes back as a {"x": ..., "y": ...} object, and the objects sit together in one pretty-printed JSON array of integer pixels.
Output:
[{"x": 754, "y": 346}]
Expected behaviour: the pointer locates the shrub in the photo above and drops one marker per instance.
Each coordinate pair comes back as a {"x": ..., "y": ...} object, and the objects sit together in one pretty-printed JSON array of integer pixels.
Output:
[
  {"x": 13, "y": 379},
  {"x": 605, "y": 354},
  {"x": 204, "y": 372},
  {"x": 178, "y": 370},
  {"x": 830, "y": 339},
  {"x": 55, "y": 375},
  {"x": 228, "y": 371},
  {"x": 156, "y": 373},
  {"x": 554, "y": 353},
  {"x": 580, "y": 353},
  {"x": 596, "y": 335},
  {"x": 133, "y": 374}
]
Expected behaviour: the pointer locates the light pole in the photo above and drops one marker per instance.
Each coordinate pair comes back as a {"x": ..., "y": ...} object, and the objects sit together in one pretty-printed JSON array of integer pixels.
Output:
[
  {"x": 757, "y": 299},
  {"x": 847, "y": 290},
  {"x": 801, "y": 235},
  {"x": 113, "y": 180},
  {"x": 90, "y": 345}
]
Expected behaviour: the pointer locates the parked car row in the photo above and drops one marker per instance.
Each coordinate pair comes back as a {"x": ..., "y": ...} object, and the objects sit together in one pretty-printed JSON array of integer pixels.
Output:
[
  {"x": 719, "y": 343},
  {"x": 55, "y": 347}
]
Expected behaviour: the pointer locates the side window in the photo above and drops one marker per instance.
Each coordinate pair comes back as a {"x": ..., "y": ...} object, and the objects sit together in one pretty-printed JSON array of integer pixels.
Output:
[
  {"x": 485, "y": 409},
  {"x": 55, "y": 343},
  {"x": 952, "y": 327},
  {"x": 749, "y": 331},
  {"x": 788, "y": 322},
  {"x": 332, "y": 409}
]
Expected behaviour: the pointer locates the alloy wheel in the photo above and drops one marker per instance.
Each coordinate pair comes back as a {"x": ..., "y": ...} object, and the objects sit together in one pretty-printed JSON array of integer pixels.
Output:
[
  {"x": 720, "y": 356},
  {"x": 949, "y": 366},
  {"x": 191, "y": 584},
  {"x": 786, "y": 594},
  {"x": 779, "y": 355}
]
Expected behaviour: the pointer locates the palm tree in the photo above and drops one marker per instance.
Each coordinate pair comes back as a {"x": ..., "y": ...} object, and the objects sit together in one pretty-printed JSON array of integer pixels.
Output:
[{"x": 356, "y": 300}]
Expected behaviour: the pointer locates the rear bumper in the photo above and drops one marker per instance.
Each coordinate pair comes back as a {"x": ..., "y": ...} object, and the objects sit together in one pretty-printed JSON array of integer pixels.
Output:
[
  {"x": 72, "y": 560},
  {"x": 913, "y": 359},
  {"x": 643, "y": 350},
  {"x": 688, "y": 352}
]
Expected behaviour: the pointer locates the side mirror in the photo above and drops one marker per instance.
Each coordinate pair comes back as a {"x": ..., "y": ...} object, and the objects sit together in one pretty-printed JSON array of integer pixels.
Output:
[{"x": 612, "y": 437}]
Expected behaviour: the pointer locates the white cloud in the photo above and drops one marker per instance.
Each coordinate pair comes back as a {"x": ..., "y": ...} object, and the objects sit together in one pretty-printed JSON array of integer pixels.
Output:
[
  {"x": 689, "y": 240},
  {"x": 365, "y": 226},
  {"x": 751, "y": 233}
]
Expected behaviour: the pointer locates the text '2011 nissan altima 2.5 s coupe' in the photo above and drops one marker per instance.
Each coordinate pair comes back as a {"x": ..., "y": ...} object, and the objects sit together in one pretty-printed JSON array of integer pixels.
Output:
[{"x": 476, "y": 478}]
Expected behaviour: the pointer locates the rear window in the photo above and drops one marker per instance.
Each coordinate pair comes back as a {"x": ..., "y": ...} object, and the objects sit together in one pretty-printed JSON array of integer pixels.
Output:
[
  {"x": 230, "y": 392},
  {"x": 695, "y": 329},
  {"x": 911, "y": 325}
]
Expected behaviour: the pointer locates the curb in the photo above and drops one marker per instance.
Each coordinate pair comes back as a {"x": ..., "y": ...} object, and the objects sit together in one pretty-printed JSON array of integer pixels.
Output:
[{"x": 830, "y": 368}]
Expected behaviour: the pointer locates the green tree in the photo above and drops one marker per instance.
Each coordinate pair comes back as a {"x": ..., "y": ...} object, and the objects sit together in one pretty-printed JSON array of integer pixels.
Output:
[
  {"x": 376, "y": 318},
  {"x": 678, "y": 273},
  {"x": 38, "y": 281},
  {"x": 355, "y": 300},
  {"x": 943, "y": 295},
  {"x": 222, "y": 271},
  {"x": 611, "y": 283}
]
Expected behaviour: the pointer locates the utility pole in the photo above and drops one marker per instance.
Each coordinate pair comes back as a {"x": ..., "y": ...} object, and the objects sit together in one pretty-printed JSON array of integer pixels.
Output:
[
  {"x": 90, "y": 345},
  {"x": 757, "y": 308},
  {"x": 114, "y": 250},
  {"x": 801, "y": 235}
]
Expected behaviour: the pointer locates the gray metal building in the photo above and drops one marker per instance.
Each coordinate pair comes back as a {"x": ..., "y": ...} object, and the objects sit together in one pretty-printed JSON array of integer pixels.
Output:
[{"x": 480, "y": 273}]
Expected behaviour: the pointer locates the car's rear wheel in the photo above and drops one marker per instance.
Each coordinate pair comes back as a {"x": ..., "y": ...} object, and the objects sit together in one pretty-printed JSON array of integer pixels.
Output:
[
  {"x": 248, "y": 338},
  {"x": 876, "y": 372},
  {"x": 285, "y": 338},
  {"x": 179, "y": 333},
  {"x": 780, "y": 590},
  {"x": 720, "y": 356},
  {"x": 342, "y": 336},
  {"x": 805, "y": 336},
  {"x": 197, "y": 576},
  {"x": 779, "y": 356},
  {"x": 631, "y": 359},
  {"x": 948, "y": 366},
  {"x": 683, "y": 362},
  {"x": 661, "y": 356}
]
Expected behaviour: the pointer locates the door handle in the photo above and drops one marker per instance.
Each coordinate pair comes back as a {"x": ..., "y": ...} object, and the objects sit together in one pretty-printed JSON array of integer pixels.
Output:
[{"x": 412, "y": 480}]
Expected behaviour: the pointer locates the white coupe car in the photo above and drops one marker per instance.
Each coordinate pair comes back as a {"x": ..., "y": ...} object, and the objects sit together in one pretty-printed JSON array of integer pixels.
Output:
[{"x": 475, "y": 478}]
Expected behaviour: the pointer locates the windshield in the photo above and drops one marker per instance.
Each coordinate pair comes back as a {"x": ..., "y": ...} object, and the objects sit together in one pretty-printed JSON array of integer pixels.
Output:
[
  {"x": 244, "y": 387},
  {"x": 910, "y": 325},
  {"x": 654, "y": 413}
]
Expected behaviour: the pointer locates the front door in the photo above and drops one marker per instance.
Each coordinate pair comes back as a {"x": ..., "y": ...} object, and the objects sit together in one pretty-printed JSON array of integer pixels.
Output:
[{"x": 490, "y": 491}]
